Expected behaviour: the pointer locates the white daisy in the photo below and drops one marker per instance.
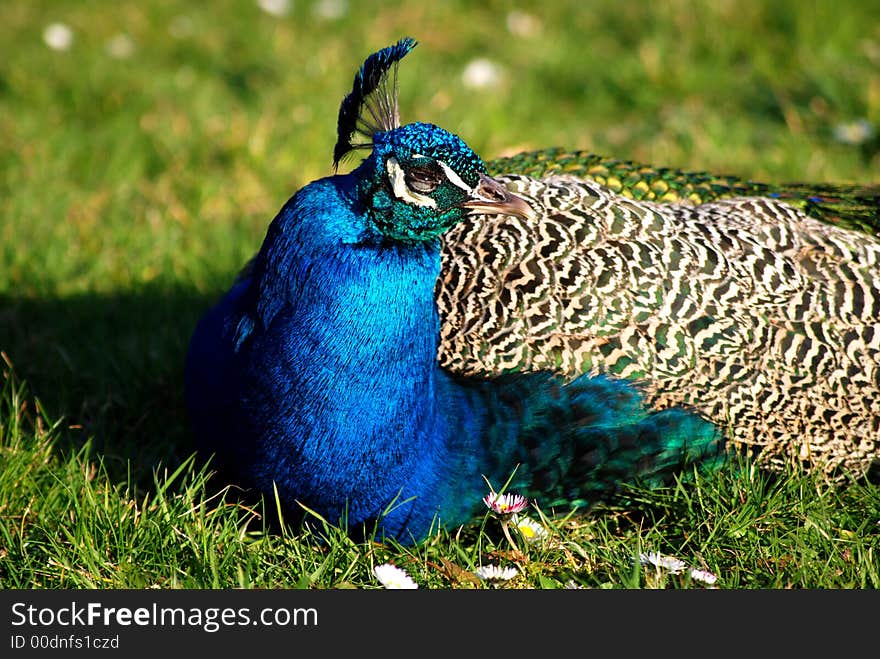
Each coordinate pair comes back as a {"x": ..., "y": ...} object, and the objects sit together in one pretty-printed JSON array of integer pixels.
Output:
[
  {"x": 481, "y": 74},
  {"x": 506, "y": 504},
  {"x": 522, "y": 24},
  {"x": 854, "y": 132},
  {"x": 330, "y": 9},
  {"x": 495, "y": 573},
  {"x": 529, "y": 529},
  {"x": 275, "y": 7},
  {"x": 58, "y": 36},
  {"x": 393, "y": 578},
  {"x": 673, "y": 565},
  {"x": 704, "y": 576}
]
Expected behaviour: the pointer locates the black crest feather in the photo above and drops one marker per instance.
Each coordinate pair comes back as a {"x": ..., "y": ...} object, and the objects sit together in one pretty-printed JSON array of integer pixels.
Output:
[{"x": 372, "y": 104}]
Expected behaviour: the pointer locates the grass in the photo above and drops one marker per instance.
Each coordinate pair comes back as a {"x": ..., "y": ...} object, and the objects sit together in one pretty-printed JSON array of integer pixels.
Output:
[
  {"x": 67, "y": 523},
  {"x": 133, "y": 189}
]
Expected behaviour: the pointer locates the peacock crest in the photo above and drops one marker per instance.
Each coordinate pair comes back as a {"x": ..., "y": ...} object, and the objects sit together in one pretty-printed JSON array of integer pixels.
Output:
[{"x": 371, "y": 106}]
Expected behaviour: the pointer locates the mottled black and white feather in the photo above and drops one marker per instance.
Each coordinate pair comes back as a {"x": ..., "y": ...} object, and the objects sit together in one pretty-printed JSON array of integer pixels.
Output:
[{"x": 372, "y": 104}]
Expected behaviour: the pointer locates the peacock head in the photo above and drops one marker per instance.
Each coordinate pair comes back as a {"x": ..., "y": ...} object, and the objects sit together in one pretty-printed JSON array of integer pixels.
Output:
[{"x": 419, "y": 179}]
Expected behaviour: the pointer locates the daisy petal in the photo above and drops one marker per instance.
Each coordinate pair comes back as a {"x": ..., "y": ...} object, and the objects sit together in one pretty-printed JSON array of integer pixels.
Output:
[
  {"x": 393, "y": 578},
  {"x": 529, "y": 529},
  {"x": 704, "y": 576},
  {"x": 673, "y": 565},
  {"x": 495, "y": 573},
  {"x": 505, "y": 504}
]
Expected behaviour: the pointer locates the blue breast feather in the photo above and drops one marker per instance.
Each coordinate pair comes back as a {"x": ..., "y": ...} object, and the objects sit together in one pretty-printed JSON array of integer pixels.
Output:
[{"x": 317, "y": 375}]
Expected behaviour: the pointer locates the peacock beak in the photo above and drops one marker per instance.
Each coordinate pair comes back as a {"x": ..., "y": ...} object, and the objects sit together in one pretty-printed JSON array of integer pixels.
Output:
[{"x": 490, "y": 196}]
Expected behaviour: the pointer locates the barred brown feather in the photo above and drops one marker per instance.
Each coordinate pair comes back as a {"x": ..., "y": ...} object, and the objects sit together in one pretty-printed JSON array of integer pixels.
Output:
[{"x": 763, "y": 319}]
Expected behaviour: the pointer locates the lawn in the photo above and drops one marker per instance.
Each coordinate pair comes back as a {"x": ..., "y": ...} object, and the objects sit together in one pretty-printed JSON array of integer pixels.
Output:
[{"x": 144, "y": 148}]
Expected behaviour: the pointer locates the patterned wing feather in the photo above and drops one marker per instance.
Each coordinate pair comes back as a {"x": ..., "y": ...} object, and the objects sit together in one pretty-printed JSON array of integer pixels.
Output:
[
  {"x": 745, "y": 308},
  {"x": 848, "y": 206}
]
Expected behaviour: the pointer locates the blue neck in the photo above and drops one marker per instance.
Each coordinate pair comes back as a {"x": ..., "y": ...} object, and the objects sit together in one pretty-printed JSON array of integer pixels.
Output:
[{"x": 346, "y": 365}]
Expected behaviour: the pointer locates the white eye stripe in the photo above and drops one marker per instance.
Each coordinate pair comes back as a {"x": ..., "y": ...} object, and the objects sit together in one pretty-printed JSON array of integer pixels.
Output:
[
  {"x": 454, "y": 178},
  {"x": 401, "y": 189}
]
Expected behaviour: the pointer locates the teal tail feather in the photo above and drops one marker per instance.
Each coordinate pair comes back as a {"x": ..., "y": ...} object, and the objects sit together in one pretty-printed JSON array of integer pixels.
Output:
[
  {"x": 577, "y": 443},
  {"x": 853, "y": 207}
]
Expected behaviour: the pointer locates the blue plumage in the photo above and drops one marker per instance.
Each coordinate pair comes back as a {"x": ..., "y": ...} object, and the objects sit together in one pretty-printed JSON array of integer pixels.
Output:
[{"x": 317, "y": 373}]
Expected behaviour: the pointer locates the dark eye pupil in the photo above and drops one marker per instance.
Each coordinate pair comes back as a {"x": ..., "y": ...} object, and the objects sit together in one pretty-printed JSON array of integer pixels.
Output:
[{"x": 422, "y": 180}]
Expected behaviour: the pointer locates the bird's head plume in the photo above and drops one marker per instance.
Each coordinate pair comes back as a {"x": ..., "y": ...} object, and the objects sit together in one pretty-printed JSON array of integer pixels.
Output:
[
  {"x": 371, "y": 106},
  {"x": 420, "y": 179}
]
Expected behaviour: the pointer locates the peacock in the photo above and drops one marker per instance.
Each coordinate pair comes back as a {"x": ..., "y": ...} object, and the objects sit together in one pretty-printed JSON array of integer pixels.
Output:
[{"x": 556, "y": 323}]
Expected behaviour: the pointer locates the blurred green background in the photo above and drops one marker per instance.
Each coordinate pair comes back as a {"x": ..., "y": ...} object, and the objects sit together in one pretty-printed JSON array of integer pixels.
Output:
[{"x": 145, "y": 146}]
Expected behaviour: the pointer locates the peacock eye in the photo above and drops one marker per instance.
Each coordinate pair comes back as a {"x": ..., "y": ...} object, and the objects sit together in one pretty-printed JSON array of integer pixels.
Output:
[{"x": 422, "y": 180}]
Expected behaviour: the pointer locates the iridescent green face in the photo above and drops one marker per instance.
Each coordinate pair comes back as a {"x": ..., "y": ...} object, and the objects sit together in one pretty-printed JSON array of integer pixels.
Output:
[{"x": 426, "y": 180}]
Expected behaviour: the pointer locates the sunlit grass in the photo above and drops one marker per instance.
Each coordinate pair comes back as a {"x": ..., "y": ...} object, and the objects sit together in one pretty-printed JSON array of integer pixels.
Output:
[{"x": 66, "y": 523}]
